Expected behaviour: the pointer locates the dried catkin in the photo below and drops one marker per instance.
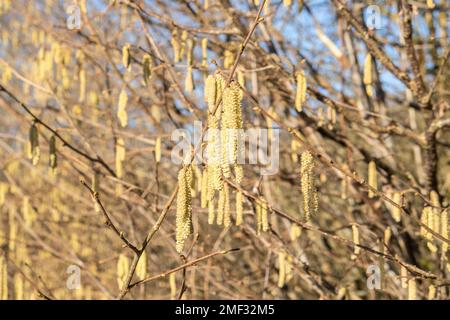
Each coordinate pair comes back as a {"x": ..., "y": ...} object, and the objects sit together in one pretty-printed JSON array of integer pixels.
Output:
[
  {"x": 53, "y": 159},
  {"x": 158, "y": 149},
  {"x": 126, "y": 57},
  {"x": 396, "y": 211},
  {"x": 123, "y": 266},
  {"x": 173, "y": 286},
  {"x": 141, "y": 268},
  {"x": 122, "y": 112},
  {"x": 412, "y": 294},
  {"x": 356, "y": 240},
  {"x": 372, "y": 179},
  {"x": 239, "y": 208},
  {"x": 147, "y": 66},
  {"x": 310, "y": 198},
  {"x": 281, "y": 269},
  {"x": 300, "y": 95},
  {"x": 34, "y": 150},
  {"x": 184, "y": 207},
  {"x": 368, "y": 74}
]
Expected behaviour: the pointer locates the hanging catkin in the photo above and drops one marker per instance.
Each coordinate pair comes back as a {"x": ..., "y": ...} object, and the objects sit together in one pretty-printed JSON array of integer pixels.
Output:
[
  {"x": 123, "y": 266},
  {"x": 444, "y": 231},
  {"x": 221, "y": 206},
  {"x": 396, "y": 211},
  {"x": 158, "y": 149},
  {"x": 176, "y": 46},
  {"x": 368, "y": 74},
  {"x": 141, "y": 268},
  {"x": 431, "y": 292},
  {"x": 121, "y": 111},
  {"x": 226, "y": 209},
  {"x": 204, "y": 52},
  {"x": 356, "y": 240},
  {"x": 184, "y": 207},
  {"x": 3, "y": 278},
  {"x": 412, "y": 291},
  {"x": 126, "y": 57},
  {"x": 173, "y": 286},
  {"x": 231, "y": 124},
  {"x": 372, "y": 179},
  {"x": 310, "y": 200},
  {"x": 287, "y": 3},
  {"x": 189, "y": 81},
  {"x": 427, "y": 219},
  {"x": 34, "y": 150},
  {"x": 147, "y": 68},
  {"x": 204, "y": 189},
  {"x": 18, "y": 287},
  {"x": 211, "y": 212},
  {"x": 239, "y": 208},
  {"x": 300, "y": 95},
  {"x": 53, "y": 159}
]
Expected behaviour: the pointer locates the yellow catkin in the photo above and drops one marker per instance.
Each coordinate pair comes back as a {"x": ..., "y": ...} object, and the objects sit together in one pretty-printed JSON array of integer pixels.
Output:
[
  {"x": 228, "y": 59},
  {"x": 367, "y": 77},
  {"x": 184, "y": 207},
  {"x": 184, "y": 36},
  {"x": 204, "y": 189},
  {"x": 147, "y": 68},
  {"x": 126, "y": 57},
  {"x": 189, "y": 81},
  {"x": 444, "y": 231},
  {"x": 396, "y": 211},
  {"x": 431, "y": 292},
  {"x": 403, "y": 277},
  {"x": 173, "y": 286},
  {"x": 34, "y": 150},
  {"x": 3, "y": 278},
  {"x": 241, "y": 78},
  {"x": 158, "y": 149},
  {"x": 141, "y": 268},
  {"x": 300, "y": 95},
  {"x": 53, "y": 158},
  {"x": 430, "y": 4},
  {"x": 231, "y": 123},
  {"x": 356, "y": 240},
  {"x": 3, "y": 191},
  {"x": 295, "y": 232},
  {"x": 239, "y": 173},
  {"x": 310, "y": 198},
  {"x": 412, "y": 291},
  {"x": 18, "y": 287},
  {"x": 204, "y": 52},
  {"x": 239, "y": 208},
  {"x": 287, "y": 3},
  {"x": 372, "y": 179},
  {"x": 221, "y": 207},
  {"x": 121, "y": 111},
  {"x": 429, "y": 214},
  {"x": 281, "y": 269},
  {"x": 176, "y": 46},
  {"x": 123, "y": 265},
  {"x": 264, "y": 217},
  {"x": 190, "y": 45}
]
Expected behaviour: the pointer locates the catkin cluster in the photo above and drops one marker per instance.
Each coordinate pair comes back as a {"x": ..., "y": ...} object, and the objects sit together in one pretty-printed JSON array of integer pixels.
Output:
[
  {"x": 436, "y": 220},
  {"x": 184, "y": 207},
  {"x": 300, "y": 95},
  {"x": 310, "y": 198},
  {"x": 223, "y": 149}
]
